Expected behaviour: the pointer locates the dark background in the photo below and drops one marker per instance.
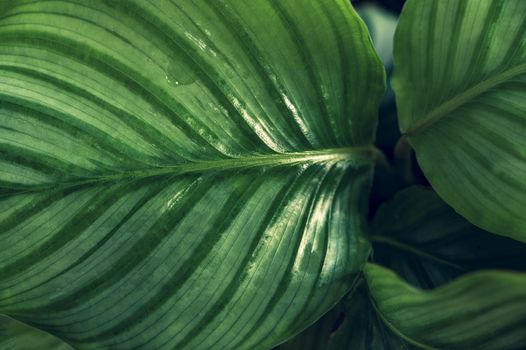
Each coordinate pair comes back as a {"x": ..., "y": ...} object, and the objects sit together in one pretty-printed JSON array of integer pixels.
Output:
[{"x": 394, "y": 6}]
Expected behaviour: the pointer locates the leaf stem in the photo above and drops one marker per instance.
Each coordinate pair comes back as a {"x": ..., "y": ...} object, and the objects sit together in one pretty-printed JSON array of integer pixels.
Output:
[
  {"x": 380, "y": 159},
  {"x": 403, "y": 160}
]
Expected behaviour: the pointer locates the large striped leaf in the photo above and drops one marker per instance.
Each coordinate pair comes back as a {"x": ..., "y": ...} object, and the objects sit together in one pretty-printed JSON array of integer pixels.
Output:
[
  {"x": 182, "y": 174},
  {"x": 482, "y": 310},
  {"x": 420, "y": 237},
  {"x": 460, "y": 83}
]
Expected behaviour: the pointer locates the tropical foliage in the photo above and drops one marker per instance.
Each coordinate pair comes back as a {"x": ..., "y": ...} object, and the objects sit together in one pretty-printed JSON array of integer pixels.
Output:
[{"x": 205, "y": 175}]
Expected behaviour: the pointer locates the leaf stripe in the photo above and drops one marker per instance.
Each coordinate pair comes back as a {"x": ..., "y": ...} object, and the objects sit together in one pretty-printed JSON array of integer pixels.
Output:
[
  {"x": 64, "y": 235},
  {"x": 121, "y": 268},
  {"x": 52, "y": 122},
  {"x": 484, "y": 41},
  {"x": 327, "y": 130}
]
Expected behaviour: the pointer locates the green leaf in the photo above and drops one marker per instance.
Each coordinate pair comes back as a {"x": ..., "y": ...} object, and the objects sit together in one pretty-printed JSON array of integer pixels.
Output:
[
  {"x": 460, "y": 78},
  {"x": 18, "y": 336},
  {"x": 352, "y": 325},
  {"x": 425, "y": 241},
  {"x": 482, "y": 310},
  {"x": 183, "y": 174}
]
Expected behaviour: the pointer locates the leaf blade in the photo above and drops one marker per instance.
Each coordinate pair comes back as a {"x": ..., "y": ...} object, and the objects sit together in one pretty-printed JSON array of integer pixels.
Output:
[
  {"x": 460, "y": 314},
  {"x": 178, "y": 174},
  {"x": 459, "y": 80}
]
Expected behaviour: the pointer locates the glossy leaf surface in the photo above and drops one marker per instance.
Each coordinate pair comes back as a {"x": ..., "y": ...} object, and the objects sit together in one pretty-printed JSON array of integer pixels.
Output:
[
  {"x": 481, "y": 310},
  {"x": 421, "y": 238},
  {"x": 460, "y": 83},
  {"x": 182, "y": 174}
]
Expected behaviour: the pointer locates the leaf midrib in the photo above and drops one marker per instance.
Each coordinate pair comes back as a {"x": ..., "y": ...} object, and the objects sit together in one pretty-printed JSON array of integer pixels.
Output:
[
  {"x": 359, "y": 153},
  {"x": 460, "y": 99},
  {"x": 397, "y": 331},
  {"x": 415, "y": 251}
]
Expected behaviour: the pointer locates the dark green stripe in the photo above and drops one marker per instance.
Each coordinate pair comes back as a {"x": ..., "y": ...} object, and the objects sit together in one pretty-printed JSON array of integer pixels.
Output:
[
  {"x": 346, "y": 98},
  {"x": 326, "y": 133},
  {"x": 32, "y": 208},
  {"x": 517, "y": 44},
  {"x": 78, "y": 130},
  {"x": 332, "y": 185},
  {"x": 452, "y": 44},
  {"x": 72, "y": 229},
  {"x": 41, "y": 163},
  {"x": 336, "y": 187},
  {"x": 484, "y": 41}
]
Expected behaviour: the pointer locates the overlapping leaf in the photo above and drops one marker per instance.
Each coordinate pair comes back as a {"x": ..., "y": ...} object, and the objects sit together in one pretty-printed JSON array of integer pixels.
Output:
[
  {"x": 182, "y": 174},
  {"x": 481, "y": 310},
  {"x": 319, "y": 335},
  {"x": 422, "y": 239},
  {"x": 18, "y": 336},
  {"x": 460, "y": 84},
  {"x": 352, "y": 325}
]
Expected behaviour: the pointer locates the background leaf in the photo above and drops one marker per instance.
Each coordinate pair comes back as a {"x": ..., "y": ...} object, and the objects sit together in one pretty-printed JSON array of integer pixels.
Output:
[
  {"x": 482, "y": 310},
  {"x": 421, "y": 238},
  {"x": 460, "y": 74},
  {"x": 182, "y": 174}
]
